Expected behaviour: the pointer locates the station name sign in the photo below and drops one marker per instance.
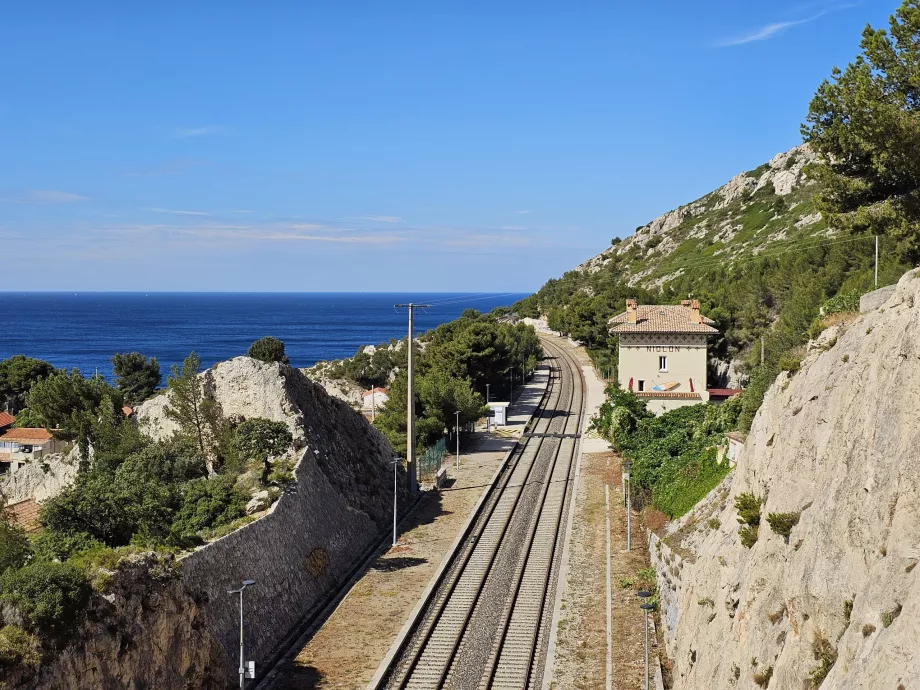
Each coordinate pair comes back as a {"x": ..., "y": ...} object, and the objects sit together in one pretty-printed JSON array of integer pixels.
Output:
[{"x": 663, "y": 348}]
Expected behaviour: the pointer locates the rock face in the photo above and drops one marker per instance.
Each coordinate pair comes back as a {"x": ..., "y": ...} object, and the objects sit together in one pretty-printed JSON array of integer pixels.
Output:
[
  {"x": 836, "y": 443},
  {"x": 243, "y": 386},
  {"x": 40, "y": 480},
  {"x": 144, "y": 632}
]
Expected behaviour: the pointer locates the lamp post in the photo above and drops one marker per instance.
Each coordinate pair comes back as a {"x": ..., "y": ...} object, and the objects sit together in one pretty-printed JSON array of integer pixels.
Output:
[
  {"x": 457, "y": 431},
  {"x": 628, "y": 479},
  {"x": 646, "y": 607},
  {"x": 243, "y": 669},
  {"x": 395, "y": 463},
  {"x": 488, "y": 400}
]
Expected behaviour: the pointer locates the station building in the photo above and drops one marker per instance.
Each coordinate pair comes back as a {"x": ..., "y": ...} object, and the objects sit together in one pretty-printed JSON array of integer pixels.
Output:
[{"x": 663, "y": 353}]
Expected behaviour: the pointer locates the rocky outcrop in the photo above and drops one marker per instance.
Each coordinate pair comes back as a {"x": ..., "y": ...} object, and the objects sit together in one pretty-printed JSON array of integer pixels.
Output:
[
  {"x": 41, "y": 479},
  {"x": 244, "y": 387},
  {"x": 143, "y": 631},
  {"x": 834, "y": 446}
]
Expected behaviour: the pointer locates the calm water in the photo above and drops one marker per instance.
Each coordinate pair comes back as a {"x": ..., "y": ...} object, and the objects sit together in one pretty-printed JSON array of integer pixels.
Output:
[{"x": 84, "y": 330}]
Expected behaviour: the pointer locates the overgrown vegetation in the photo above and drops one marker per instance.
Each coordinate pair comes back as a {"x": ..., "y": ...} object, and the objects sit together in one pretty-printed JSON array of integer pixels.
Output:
[
  {"x": 748, "y": 507},
  {"x": 782, "y": 523},
  {"x": 825, "y": 654},
  {"x": 673, "y": 455}
]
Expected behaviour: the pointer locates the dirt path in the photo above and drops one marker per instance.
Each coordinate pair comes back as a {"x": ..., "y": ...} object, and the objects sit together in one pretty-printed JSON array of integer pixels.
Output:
[{"x": 581, "y": 655}]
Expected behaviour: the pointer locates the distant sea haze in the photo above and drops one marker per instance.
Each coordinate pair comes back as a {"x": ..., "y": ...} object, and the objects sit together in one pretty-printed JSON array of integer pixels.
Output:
[{"x": 84, "y": 330}]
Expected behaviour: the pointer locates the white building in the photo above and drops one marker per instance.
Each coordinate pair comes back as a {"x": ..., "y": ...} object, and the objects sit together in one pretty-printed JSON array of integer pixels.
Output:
[
  {"x": 375, "y": 398},
  {"x": 663, "y": 353}
]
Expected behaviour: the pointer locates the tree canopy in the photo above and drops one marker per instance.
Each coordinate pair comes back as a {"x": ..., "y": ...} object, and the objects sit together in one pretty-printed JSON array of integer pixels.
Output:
[
  {"x": 269, "y": 350},
  {"x": 17, "y": 374},
  {"x": 865, "y": 124},
  {"x": 136, "y": 376}
]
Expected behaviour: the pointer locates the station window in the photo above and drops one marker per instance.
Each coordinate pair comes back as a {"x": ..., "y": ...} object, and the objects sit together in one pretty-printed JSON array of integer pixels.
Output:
[
  {"x": 641, "y": 385},
  {"x": 662, "y": 364}
]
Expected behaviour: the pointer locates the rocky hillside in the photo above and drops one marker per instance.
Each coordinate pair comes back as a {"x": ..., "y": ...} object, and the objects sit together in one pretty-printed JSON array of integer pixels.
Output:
[
  {"x": 828, "y": 594},
  {"x": 756, "y": 211}
]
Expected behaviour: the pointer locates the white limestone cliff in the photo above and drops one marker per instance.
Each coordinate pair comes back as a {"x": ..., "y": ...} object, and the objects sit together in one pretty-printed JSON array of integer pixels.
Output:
[{"x": 839, "y": 443}]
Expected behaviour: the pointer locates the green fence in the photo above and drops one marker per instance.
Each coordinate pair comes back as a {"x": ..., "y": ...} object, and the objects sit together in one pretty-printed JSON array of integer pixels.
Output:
[{"x": 429, "y": 461}]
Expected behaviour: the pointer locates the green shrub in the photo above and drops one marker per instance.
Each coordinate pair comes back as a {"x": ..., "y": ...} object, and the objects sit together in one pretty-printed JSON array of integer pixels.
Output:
[
  {"x": 748, "y": 507},
  {"x": 790, "y": 363},
  {"x": 268, "y": 350},
  {"x": 206, "y": 504},
  {"x": 51, "y": 545},
  {"x": 842, "y": 302},
  {"x": 868, "y": 629},
  {"x": 748, "y": 536},
  {"x": 18, "y": 648},
  {"x": 14, "y": 545},
  {"x": 50, "y": 597},
  {"x": 782, "y": 523}
]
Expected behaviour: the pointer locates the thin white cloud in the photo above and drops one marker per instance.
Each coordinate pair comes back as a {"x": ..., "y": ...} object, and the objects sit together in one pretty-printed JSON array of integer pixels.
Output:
[
  {"x": 522, "y": 213},
  {"x": 774, "y": 29},
  {"x": 188, "y": 132},
  {"x": 44, "y": 196},
  {"x": 384, "y": 219},
  {"x": 176, "y": 212}
]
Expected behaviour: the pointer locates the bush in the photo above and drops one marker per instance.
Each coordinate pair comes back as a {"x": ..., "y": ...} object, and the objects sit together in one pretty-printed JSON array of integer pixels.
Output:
[
  {"x": 50, "y": 545},
  {"x": 14, "y": 545},
  {"x": 748, "y": 536},
  {"x": 268, "y": 350},
  {"x": 762, "y": 678},
  {"x": 18, "y": 648},
  {"x": 790, "y": 364},
  {"x": 826, "y": 656},
  {"x": 50, "y": 597},
  {"x": 782, "y": 523},
  {"x": 206, "y": 503},
  {"x": 748, "y": 507}
]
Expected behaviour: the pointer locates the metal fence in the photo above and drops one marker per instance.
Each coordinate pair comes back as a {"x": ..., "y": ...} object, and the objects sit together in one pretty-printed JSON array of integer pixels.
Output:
[{"x": 429, "y": 461}]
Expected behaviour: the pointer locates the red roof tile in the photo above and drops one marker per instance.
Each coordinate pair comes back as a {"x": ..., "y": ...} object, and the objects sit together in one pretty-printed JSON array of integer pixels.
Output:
[
  {"x": 661, "y": 318},
  {"x": 25, "y": 513},
  {"x": 6, "y": 419},
  {"x": 27, "y": 435},
  {"x": 723, "y": 392}
]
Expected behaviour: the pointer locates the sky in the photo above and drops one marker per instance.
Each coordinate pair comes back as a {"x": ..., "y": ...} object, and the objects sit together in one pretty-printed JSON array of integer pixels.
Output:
[{"x": 381, "y": 146}]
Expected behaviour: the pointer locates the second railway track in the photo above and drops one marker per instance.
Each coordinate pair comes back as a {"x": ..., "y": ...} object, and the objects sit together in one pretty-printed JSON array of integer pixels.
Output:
[{"x": 486, "y": 621}]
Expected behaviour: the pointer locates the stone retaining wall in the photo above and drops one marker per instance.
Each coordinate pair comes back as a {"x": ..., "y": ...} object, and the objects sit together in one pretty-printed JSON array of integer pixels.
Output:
[
  {"x": 297, "y": 554},
  {"x": 668, "y": 569}
]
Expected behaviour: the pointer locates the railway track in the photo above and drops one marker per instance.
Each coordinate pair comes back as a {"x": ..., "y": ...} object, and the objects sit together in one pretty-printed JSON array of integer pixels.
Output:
[{"x": 486, "y": 621}]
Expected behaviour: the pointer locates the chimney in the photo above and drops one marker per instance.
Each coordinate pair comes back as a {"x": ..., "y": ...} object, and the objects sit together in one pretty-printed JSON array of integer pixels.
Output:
[
  {"x": 685, "y": 303},
  {"x": 695, "y": 316},
  {"x": 632, "y": 311}
]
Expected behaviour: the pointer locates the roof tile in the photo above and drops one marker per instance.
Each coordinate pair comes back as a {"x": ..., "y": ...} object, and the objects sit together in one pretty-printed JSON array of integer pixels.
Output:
[{"x": 661, "y": 318}]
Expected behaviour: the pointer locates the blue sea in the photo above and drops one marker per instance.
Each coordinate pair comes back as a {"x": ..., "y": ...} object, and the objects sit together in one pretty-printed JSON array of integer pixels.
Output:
[{"x": 84, "y": 330}]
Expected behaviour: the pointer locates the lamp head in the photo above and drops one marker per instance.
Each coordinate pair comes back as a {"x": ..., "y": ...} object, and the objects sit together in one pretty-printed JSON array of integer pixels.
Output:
[
  {"x": 643, "y": 594},
  {"x": 647, "y": 606},
  {"x": 247, "y": 583}
]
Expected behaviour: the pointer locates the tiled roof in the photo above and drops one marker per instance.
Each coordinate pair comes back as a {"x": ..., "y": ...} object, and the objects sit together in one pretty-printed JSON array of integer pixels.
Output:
[
  {"x": 671, "y": 395},
  {"x": 6, "y": 419},
  {"x": 661, "y": 318},
  {"x": 25, "y": 513},
  {"x": 723, "y": 392},
  {"x": 739, "y": 436},
  {"x": 27, "y": 435},
  {"x": 378, "y": 389}
]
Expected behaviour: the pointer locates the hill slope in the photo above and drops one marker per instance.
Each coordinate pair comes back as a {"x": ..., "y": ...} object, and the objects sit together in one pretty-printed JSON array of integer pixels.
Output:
[{"x": 755, "y": 211}]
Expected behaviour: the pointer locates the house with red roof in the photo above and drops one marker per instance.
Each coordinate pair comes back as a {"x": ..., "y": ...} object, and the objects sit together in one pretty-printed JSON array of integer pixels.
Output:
[
  {"x": 6, "y": 422},
  {"x": 19, "y": 446}
]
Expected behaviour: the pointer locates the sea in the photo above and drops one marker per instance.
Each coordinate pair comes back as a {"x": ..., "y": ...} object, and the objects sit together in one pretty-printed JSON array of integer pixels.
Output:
[{"x": 83, "y": 330}]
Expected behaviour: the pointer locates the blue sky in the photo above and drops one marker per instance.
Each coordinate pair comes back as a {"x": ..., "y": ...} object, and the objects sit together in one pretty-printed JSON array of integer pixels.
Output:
[{"x": 312, "y": 146}]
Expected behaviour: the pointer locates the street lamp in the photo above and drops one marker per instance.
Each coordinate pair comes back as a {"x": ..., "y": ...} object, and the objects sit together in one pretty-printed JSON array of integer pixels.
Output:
[
  {"x": 457, "y": 431},
  {"x": 488, "y": 400},
  {"x": 646, "y": 606},
  {"x": 395, "y": 463},
  {"x": 628, "y": 479},
  {"x": 247, "y": 670}
]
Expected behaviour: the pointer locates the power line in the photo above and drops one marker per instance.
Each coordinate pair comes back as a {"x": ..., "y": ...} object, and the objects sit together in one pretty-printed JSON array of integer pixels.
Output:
[{"x": 475, "y": 299}]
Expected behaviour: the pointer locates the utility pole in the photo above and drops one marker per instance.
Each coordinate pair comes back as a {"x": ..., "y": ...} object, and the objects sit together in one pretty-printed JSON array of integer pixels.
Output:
[
  {"x": 395, "y": 464},
  {"x": 876, "y": 261},
  {"x": 411, "y": 469},
  {"x": 628, "y": 506},
  {"x": 457, "y": 431}
]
